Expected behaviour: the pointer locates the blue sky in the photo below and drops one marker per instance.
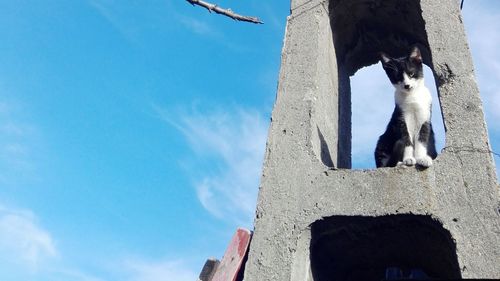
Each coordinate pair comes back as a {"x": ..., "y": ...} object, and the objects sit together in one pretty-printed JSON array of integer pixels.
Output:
[{"x": 132, "y": 132}]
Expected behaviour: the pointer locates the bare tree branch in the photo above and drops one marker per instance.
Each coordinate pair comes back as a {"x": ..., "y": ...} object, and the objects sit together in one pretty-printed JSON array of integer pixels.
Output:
[{"x": 226, "y": 12}]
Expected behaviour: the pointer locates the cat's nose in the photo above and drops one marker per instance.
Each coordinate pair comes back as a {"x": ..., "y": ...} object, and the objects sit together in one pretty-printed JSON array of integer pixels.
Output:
[{"x": 407, "y": 87}]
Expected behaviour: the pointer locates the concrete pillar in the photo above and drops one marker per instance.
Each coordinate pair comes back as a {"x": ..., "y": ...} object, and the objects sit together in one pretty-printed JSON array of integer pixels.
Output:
[{"x": 318, "y": 223}]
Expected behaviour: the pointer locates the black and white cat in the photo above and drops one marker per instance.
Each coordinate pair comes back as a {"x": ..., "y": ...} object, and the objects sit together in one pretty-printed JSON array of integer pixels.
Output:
[{"x": 409, "y": 138}]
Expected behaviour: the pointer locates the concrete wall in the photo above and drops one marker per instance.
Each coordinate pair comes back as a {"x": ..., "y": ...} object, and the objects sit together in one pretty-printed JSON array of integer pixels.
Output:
[{"x": 325, "y": 43}]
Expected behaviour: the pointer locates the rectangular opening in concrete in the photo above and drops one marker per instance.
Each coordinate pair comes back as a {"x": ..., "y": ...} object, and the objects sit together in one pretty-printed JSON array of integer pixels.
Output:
[
  {"x": 372, "y": 107},
  {"x": 361, "y": 30},
  {"x": 368, "y": 248}
]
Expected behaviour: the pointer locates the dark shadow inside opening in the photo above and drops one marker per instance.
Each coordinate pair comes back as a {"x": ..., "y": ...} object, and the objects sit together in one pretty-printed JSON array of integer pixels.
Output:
[{"x": 363, "y": 248}]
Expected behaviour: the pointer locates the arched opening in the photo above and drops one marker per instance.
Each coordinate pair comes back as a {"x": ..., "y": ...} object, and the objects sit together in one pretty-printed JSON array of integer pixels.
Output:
[
  {"x": 368, "y": 248},
  {"x": 372, "y": 103},
  {"x": 361, "y": 29}
]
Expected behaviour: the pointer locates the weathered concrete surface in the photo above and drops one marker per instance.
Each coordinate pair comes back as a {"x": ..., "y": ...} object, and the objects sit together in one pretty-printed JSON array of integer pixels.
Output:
[{"x": 310, "y": 132}]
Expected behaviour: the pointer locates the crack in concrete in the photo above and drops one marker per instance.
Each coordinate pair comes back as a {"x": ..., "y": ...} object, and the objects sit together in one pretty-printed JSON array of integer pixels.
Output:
[{"x": 458, "y": 149}]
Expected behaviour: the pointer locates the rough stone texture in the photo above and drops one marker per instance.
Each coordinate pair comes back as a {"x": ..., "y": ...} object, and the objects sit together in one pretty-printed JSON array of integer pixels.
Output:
[{"x": 325, "y": 43}]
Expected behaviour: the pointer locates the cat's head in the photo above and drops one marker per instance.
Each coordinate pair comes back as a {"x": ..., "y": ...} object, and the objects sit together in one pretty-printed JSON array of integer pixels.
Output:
[{"x": 405, "y": 73}]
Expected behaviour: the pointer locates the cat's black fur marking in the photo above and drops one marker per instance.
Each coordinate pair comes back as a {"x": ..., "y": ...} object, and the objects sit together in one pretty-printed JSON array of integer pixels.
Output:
[
  {"x": 396, "y": 67},
  {"x": 391, "y": 145},
  {"x": 396, "y": 138}
]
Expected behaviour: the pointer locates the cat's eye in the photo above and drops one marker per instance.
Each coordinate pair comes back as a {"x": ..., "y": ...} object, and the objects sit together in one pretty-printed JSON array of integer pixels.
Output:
[{"x": 411, "y": 74}]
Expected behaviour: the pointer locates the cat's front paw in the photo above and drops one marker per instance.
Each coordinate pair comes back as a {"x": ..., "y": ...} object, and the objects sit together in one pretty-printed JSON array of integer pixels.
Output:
[
  {"x": 425, "y": 161},
  {"x": 410, "y": 161}
]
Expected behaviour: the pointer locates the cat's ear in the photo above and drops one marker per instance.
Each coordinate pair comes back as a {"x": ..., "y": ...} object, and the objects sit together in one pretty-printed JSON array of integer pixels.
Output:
[
  {"x": 384, "y": 58},
  {"x": 415, "y": 55}
]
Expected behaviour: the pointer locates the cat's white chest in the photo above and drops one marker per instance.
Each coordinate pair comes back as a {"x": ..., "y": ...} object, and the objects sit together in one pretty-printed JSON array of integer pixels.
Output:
[{"x": 416, "y": 109}]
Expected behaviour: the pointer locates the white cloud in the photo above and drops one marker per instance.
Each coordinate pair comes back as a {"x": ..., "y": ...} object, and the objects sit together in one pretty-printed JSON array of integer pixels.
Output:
[
  {"x": 140, "y": 270},
  {"x": 16, "y": 161},
  {"x": 135, "y": 19},
  {"x": 23, "y": 240},
  {"x": 106, "y": 8},
  {"x": 198, "y": 26},
  {"x": 28, "y": 251},
  {"x": 229, "y": 148}
]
